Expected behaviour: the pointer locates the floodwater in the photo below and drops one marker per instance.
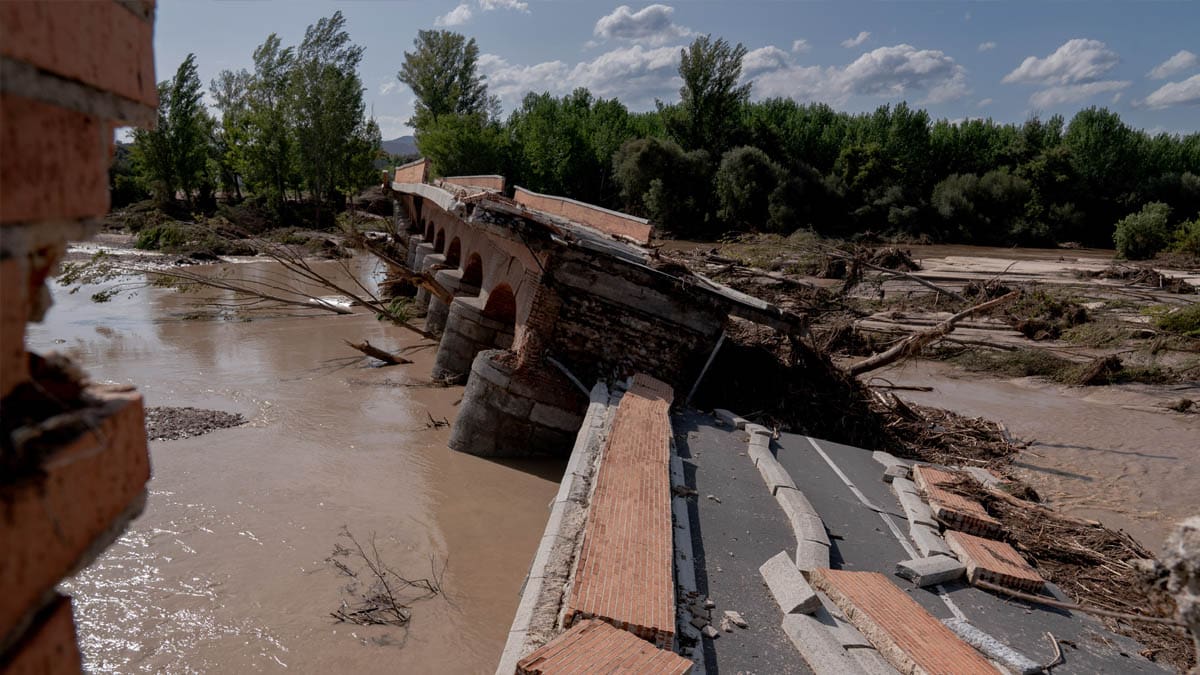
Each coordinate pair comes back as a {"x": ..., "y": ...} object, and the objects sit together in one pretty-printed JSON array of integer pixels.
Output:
[
  {"x": 1113, "y": 454},
  {"x": 227, "y": 570}
]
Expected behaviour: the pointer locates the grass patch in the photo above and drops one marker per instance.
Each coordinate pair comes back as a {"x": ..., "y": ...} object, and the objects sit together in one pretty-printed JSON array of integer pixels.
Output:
[
  {"x": 1097, "y": 334},
  {"x": 1182, "y": 321},
  {"x": 1041, "y": 363},
  {"x": 1040, "y": 315}
]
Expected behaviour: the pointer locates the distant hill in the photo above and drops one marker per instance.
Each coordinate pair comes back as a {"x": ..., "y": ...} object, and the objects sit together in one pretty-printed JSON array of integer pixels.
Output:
[{"x": 403, "y": 146}]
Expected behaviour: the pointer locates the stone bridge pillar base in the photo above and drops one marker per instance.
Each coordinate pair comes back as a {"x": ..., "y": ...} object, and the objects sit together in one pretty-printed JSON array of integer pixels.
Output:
[
  {"x": 421, "y": 302},
  {"x": 516, "y": 413},
  {"x": 438, "y": 312},
  {"x": 414, "y": 242},
  {"x": 467, "y": 332}
]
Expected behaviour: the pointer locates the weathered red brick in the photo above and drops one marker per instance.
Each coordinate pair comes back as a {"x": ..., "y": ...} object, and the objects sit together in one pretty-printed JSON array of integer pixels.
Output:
[
  {"x": 98, "y": 43},
  {"x": 625, "y": 573},
  {"x": 909, "y": 637},
  {"x": 953, "y": 509},
  {"x": 994, "y": 561},
  {"x": 602, "y": 219},
  {"x": 596, "y": 647},
  {"x": 53, "y": 162},
  {"x": 14, "y": 313},
  {"x": 48, "y": 646},
  {"x": 50, "y": 522}
]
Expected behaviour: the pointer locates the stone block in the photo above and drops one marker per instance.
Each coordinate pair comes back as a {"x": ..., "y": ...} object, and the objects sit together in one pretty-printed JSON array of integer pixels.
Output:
[
  {"x": 928, "y": 540},
  {"x": 896, "y": 471},
  {"x": 774, "y": 474},
  {"x": 42, "y": 151},
  {"x": 983, "y": 476},
  {"x": 101, "y": 44},
  {"x": 89, "y": 488},
  {"x": 811, "y": 555},
  {"x": 795, "y": 504},
  {"x": 758, "y": 430},
  {"x": 817, "y": 645},
  {"x": 931, "y": 571},
  {"x": 726, "y": 416},
  {"x": 788, "y": 586},
  {"x": 888, "y": 459},
  {"x": 916, "y": 510},
  {"x": 759, "y": 450}
]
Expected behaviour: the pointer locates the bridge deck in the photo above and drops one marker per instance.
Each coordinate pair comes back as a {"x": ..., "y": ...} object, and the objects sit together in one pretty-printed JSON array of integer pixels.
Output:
[{"x": 625, "y": 575}]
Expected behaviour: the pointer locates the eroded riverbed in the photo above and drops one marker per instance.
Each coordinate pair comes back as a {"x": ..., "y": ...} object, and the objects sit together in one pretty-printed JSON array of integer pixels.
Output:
[{"x": 226, "y": 570}]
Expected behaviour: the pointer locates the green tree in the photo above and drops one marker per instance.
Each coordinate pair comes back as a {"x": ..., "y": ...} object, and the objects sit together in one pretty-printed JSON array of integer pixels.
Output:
[
  {"x": 659, "y": 180},
  {"x": 326, "y": 97},
  {"x": 744, "y": 183},
  {"x": 986, "y": 209},
  {"x": 443, "y": 74},
  {"x": 173, "y": 157},
  {"x": 231, "y": 91},
  {"x": 709, "y": 113},
  {"x": 268, "y": 159},
  {"x": 457, "y": 145}
]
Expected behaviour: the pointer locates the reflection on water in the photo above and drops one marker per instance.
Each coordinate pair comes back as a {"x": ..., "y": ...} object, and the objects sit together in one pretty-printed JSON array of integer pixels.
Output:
[{"x": 226, "y": 571}]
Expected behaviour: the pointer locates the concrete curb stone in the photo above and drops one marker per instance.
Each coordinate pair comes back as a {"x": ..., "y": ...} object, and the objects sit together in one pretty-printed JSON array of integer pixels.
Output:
[
  {"x": 788, "y": 586},
  {"x": 930, "y": 571}
]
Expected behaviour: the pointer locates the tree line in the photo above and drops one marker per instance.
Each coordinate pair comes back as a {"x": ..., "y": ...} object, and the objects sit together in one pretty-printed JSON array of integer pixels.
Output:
[
  {"x": 291, "y": 129},
  {"x": 715, "y": 161}
]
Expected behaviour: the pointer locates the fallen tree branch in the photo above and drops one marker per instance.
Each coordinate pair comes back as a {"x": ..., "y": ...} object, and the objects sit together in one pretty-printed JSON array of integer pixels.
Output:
[
  {"x": 1051, "y": 602},
  {"x": 838, "y": 253},
  {"x": 915, "y": 342},
  {"x": 375, "y": 352}
]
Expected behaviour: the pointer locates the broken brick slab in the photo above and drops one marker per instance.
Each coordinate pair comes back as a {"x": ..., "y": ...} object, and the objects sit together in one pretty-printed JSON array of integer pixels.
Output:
[
  {"x": 955, "y": 510},
  {"x": 994, "y": 561},
  {"x": 625, "y": 570},
  {"x": 595, "y": 647},
  {"x": 48, "y": 645},
  {"x": 910, "y": 638},
  {"x": 86, "y": 491}
]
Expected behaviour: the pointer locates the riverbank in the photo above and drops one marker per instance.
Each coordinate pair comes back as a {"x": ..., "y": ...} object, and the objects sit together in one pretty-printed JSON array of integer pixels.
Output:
[{"x": 240, "y": 518}]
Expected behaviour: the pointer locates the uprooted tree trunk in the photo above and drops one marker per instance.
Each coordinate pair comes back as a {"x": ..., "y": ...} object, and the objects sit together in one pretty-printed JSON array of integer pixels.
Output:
[
  {"x": 917, "y": 341},
  {"x": 375, "y": 352}
]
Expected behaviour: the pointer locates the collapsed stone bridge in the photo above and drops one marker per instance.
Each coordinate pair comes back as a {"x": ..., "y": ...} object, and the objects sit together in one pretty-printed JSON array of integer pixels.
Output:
[{"x": 537, "y": 297}]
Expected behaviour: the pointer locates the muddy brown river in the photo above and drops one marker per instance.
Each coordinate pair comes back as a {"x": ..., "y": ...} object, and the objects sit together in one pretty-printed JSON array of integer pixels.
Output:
[{"x": 227, "y": 570}]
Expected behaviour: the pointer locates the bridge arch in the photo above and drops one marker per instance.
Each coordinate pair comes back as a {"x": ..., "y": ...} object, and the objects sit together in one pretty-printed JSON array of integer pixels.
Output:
[
  {"x": 473, "y": 271},
  {"x": 428, "y": 230},
  {"x": 501, "y": 305},
  {"x": 454, "y": 253},
  {"x": 439, "y": 242}
]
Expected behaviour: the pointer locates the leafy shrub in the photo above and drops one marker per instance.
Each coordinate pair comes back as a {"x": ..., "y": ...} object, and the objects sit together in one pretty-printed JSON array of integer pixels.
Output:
[
  {"x": 659, "y": 180},
  {"x": 1187, "y": 238},
  {"x": 1140, "y": 235}
]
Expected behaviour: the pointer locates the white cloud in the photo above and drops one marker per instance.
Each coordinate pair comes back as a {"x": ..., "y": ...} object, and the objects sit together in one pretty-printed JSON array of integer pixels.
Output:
[
  {"x": 635, "y": 74},
  {"x": 1184, "y": 60},
  {"x": 517, "y": 5},
  {"x": 762, "y": 60},
  {"x": 651, "y": 25},
  {"x": 1071, "y": 93},
  {"x": 984, "y": 103},
  {"x": 801, "y": 46},
  {"x": 893, "y": 72},
  {"x": 1186, "y": 92},
  {"x": 457, "y": 16},
  {"x": 987, "y": 46},
  {"x": 856, "y": 40},
  {"x": 1076, "y": 61},
  {"x": 1117, "y": 97},
  {"x": 388, "y": 86}
]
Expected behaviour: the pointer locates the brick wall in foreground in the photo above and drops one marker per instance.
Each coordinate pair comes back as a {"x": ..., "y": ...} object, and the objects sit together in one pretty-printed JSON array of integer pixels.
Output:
[{"x": 70, "y": 73}]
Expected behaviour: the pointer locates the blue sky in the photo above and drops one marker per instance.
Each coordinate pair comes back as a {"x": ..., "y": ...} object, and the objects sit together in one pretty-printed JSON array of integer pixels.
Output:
[{"x": 1005, "y": 60}]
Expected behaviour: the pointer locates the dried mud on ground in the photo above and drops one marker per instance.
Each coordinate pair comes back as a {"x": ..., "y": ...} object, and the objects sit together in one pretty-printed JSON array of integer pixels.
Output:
[{"x": 165, "y": 423}]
